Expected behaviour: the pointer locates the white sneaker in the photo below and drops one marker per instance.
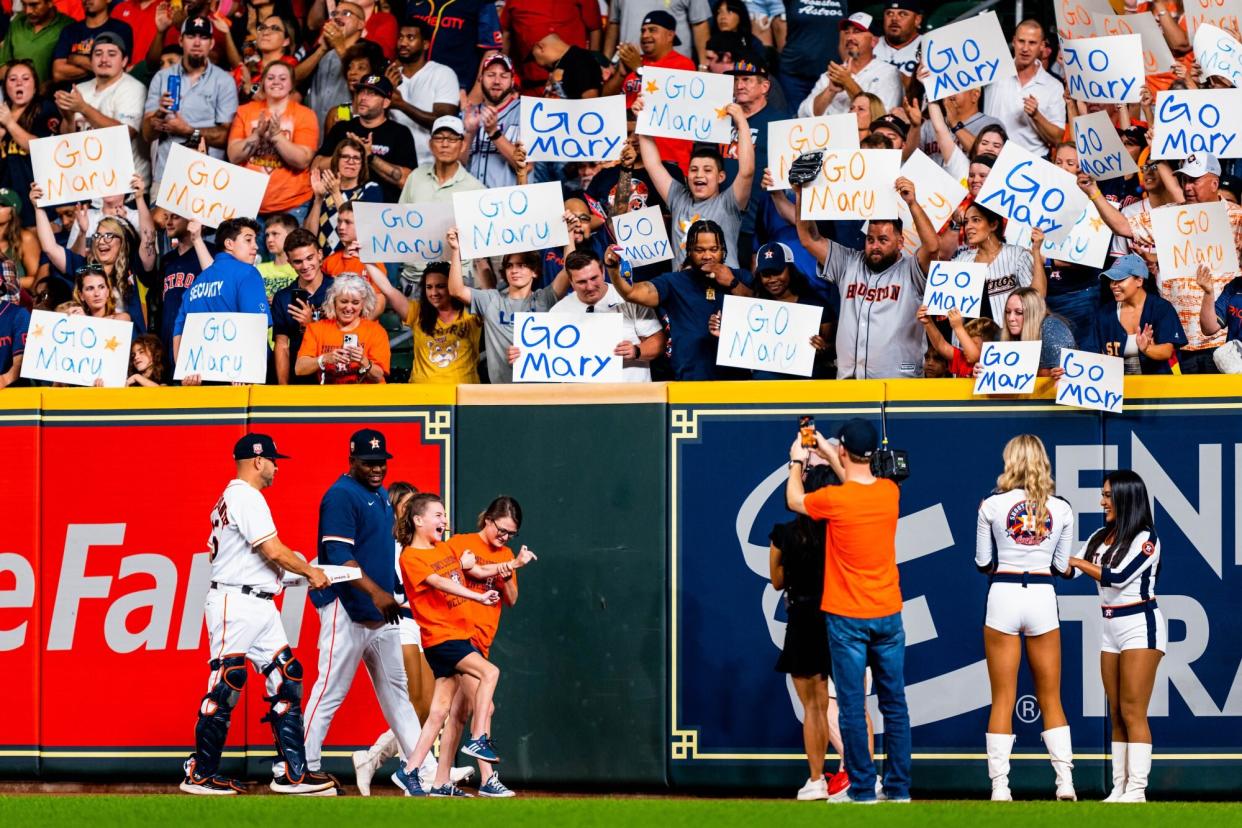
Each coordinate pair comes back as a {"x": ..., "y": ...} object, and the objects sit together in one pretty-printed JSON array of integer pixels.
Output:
[
  {"x": 1002, "y": 794},
  {"x": 879, "y": 787},
  {"x": 1066, "y": 793},
  {"x": 813, "y": 789},
  {"x": 459, "y": 775},
  {"x": 364, "y": 771},
  {"x": 1114, "y": 795}
]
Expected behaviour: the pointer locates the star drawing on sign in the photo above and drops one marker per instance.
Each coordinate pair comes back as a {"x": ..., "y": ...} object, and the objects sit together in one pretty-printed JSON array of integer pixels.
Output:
[
  {"x": 38, "y": 331},
  {"x": 721, "y": 114},
  {"x": 110, "y": 343},
  {"x": 652, "y": 86},
  {"x": 1096, "y": 224}
]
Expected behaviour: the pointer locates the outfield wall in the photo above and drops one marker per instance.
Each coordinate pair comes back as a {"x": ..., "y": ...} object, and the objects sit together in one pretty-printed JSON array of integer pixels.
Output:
[{"x": 641, "y": 649}]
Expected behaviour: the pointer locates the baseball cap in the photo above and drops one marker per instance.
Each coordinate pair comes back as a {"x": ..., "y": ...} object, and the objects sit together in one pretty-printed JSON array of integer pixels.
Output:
[
  {"x": 773, "y": 257},
  {"x": 665, "y": 21},
  {"x": 1199, "y": 164},
  {"x": 1233, "y": 184},
  {"x": 368, "y": 444},
  {"x": 257, "y": 445},
  {"x": 892, "y": 122},
  {"x": 10, "y": 198},
  {"x": 748, "y": 67},
  {"x": 1125, "y": 267},
  {"x": 499, "y": 58},
  {"x": 197, "y": 26},
  {"x": 113, "y": 38},
  {"x": 378, "y": 84},
  {"x": 860, "y": 21},
  {"x": 449, "y": 122},
  {"x": 916, "y": 6},
  {"x": 859, "y": 437}
]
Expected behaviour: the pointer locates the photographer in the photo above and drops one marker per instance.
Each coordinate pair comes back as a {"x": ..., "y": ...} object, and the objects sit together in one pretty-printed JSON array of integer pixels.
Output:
[{"x": 862, "y": 598}]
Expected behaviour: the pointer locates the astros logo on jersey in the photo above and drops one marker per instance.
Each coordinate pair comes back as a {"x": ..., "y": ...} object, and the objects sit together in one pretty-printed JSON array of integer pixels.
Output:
[{"x": 1020, "y": 525}]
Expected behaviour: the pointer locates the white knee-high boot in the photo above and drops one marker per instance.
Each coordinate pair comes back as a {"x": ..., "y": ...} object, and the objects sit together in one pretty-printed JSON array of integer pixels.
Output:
[
  {"x": 1138, "y": 766},
  {"x": 1061, "y": 754},
  {"x": 1119, "y": 772},
  {"x": 1000, "y": 745}
]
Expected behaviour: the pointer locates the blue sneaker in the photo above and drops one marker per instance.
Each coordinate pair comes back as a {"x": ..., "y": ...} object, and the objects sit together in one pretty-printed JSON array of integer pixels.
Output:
[
  {"x": 495, "y": 788},
  {"x": 481, "y": 748},
  {"x": 408, "y": 782},
  {"x": 449, "y": 790}
]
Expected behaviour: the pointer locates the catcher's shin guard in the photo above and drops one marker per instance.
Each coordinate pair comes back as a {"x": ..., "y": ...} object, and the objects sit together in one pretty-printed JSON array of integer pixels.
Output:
[
  {"x": 215, "y": 711},
  {"x": 285, "y": 715}
]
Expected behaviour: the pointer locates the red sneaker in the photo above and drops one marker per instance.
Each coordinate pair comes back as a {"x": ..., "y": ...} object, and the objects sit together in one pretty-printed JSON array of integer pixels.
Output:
[{"x": 839, "y": 783}]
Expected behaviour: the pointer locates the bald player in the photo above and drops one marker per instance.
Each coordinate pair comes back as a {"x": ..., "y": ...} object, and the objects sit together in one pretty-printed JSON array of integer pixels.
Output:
[
  {"x": 247, "y": 559},
  {"x": 881, "y": 289}
]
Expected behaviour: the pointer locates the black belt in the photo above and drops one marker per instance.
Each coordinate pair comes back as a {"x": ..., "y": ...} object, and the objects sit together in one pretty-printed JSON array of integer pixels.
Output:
[
  {"x": 1024, "y": 578},
  {"x": 1128, "y": 609},
  {"x": 405, "y": 613},
  {"x": 244, "y": 590}
]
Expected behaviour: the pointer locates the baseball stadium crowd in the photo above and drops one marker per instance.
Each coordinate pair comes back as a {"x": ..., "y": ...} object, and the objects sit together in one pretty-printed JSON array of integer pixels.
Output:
[{"x": 411, "y": 101}]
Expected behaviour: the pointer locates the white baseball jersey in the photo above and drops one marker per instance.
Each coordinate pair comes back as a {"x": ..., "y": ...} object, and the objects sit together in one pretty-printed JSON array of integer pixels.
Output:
[
  {"x": 240, "y": 521},
  {"x": 904, "y": 59},
  {"x": 1006, "y": 534},
  {"x": 1133, "y": 579}
]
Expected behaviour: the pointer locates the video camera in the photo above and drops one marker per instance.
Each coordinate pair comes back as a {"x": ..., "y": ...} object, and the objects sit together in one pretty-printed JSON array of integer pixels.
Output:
[{"x": 891, "y": 464}]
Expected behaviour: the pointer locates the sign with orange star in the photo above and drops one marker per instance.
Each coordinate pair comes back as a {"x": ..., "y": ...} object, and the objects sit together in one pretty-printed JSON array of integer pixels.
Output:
[
  {"x": 77, "y": 350},
  {"x": 1086, "y": 244},
  {"x": 686, "y": 105}
]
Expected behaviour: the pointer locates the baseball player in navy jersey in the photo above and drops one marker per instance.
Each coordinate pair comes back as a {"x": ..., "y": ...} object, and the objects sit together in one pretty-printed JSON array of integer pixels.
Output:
[
  {"x": 247, "y": 558},
  {"x": 358, "y": 619}
]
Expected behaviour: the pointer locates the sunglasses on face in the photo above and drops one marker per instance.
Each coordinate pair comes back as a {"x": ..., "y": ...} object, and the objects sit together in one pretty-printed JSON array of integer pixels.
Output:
[{"x": 93, "y": 267}]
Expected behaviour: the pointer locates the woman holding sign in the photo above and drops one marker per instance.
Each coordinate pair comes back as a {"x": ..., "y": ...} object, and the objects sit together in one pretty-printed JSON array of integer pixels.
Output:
[
  {"x": 1027, "y": 319},
  {"x": 1023, "y": 539},
  {"x": 1009, "y": 266},
  {"x": 446, "y": 334}
]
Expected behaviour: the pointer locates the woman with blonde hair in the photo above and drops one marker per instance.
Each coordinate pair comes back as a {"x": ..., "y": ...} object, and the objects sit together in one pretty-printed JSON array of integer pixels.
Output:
[
  {"x": 1023, "y": 539},
  {"x": 1027, "y": 319}
]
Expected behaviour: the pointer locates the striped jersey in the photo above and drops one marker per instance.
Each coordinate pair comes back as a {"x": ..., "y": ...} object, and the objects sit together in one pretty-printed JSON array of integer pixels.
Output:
[{"x": 1133, "y": 579}]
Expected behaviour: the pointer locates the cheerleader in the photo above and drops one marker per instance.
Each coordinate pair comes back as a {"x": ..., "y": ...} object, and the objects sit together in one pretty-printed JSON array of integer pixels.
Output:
[
  {"x": 1023, "y": 539},
  {"x": 1124, "y": 557}
]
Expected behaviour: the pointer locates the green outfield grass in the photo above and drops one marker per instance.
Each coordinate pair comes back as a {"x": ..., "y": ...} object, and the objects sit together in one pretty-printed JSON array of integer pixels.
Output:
[{"x": 268, "y": 811}]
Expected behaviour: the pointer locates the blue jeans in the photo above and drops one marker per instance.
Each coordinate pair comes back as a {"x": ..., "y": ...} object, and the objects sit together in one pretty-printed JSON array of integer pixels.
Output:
[
  {"x": 1080, "y": 310},
  {"x": 855, "y": 644},
  {"x": 1197, "y": 362}
]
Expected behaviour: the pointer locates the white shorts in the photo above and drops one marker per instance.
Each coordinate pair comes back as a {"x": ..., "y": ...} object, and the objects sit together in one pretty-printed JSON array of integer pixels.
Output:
[
  {"x": 1030, "y": 609},
  {"x": 410, "y": 633},
  {"x": 244, "y": 625},
  {"x": 1140, "y": 631},
  {"x": 832, "y": 688}
]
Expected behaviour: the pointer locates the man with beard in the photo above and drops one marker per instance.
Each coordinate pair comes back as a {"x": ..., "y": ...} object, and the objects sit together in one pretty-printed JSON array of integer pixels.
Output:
[
  {"x": 423, "y": 90},
  {"x": 689, "y": 298},
  {"x": 390, "y": 146},
  {"x": 881, "y": 290},
  {"x": 207, "y": 104},
  {"x": 33, "y": 34},
  {"x": 901, "y": 42},
  {"x": 494, "y": 127}
]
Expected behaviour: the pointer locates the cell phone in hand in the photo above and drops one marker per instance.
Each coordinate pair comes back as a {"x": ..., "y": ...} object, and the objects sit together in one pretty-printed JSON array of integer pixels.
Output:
[
  {"x": 351, "y": 340},
  {"x": 301, "y": 295}
]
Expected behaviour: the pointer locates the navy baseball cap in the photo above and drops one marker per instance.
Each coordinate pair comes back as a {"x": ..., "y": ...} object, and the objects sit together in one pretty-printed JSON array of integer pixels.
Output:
[
  {"x": 916, "y": 6},
  {"x": 257, "y": 445},
  {"x": 368, "y": 444},
  {"x": 748, "y": 67},
  {"x": 665, "y": 21},
  {"x": 1128, "y": 265},
  {"x": 773, "y": 257},
  {"x": 378, "y": 84},
  {"x": 197, "y": 26},
  {"x": 859, "y": 437}
]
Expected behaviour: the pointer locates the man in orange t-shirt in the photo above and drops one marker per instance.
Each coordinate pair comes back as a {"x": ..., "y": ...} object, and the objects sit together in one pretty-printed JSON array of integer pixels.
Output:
[{"x": 862, "y": 599}]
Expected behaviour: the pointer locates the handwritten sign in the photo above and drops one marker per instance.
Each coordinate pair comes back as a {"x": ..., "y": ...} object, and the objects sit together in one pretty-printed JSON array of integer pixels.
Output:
[
  {"x": 1027, "y": 189},
  {"x": 1077, "y": 18},
  {"x": 1101, "y": 154},
  {"x": 765, "y": 335},
  {"x": 1087, "y": 243},
  {"x": 966, "y": 55},
  {"x": 1091, "y": 381},
  {"x": 1008, "y": 367},
  {"x": 643, "y": 235},
  {"x": 82, "y": 166},
  {"x": 937, "y": 192},
  {"x": 789, "y": 139},
  {"x": 1197, "y": 120},
  {"x": 1188, "y": 235},
  {"x": 224, "y": 347},
  {"x": 855, "y": 184},
  {"x": 1218, "y": 54},
  {"x": 1219, "y": 13},
  {"x": 1104, "y": 69},
  {"x": 955, "y": 286},
  {"x": 510, "y": 219},
  {"x": 559, "y": 348},
  {"x": 688, "y": 105},
  {"x": 200, "y": 187},
  {"x": 78, "y": 349},
  {"x": 402, "y": 232},
  {"x": 1157, "y": 56},
  {"x": 564, "y": 130}
]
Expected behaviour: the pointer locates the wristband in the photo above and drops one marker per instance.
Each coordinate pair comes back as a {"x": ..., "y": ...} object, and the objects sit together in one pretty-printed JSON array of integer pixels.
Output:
[
  {"x": 319, "y": 361},
  {"x": 799, "y": 462},
  {"x": 495, "y": 136},
  {"x": 732, "y": 286},
  {"x": 362, "y": 372}
]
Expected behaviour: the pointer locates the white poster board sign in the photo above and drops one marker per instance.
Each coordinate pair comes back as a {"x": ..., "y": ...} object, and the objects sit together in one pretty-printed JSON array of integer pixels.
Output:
[
  {"x": 966, "y": 55},
  {"x": 765, "y": 335},
  {"x": 1101, "y": 154},
  {"x": 686, "y": 105},
  {"x": 197, "y": 186},
  {"x": 1218, "y": 13},
  {"x": 1029, "y": 190},
  {"x": 1197, "y": 120},
  {"x": 1218, "y": 53},
  {"x": 854, "y": 184},
  {"x": 790, "y": 138},
  {"x": 1104, "y": 69},
  {"x": 77, "y": 349},
  {"x": 510, "y": 219},
  {"x": 955, "y": 286},
  {"x": 1157, "y": 56},
  {"x": 1188, "y": 235},
  {"x": 1091, "y": 381},
  {"x": 1077, "y": 18},
  {"x": 1008, "y": 367},
  {"x": 224, "y": 347},
  {"x": 937, "y": 192},
  {"x": 643, "y": 236},
  {"x": 82, "y": 166},
  {"x": 1087, "y": 243},
  {"x": 563, "y": 130},
  {"x": 558, "y": 347},
  {"x": 413, "y": 233}
]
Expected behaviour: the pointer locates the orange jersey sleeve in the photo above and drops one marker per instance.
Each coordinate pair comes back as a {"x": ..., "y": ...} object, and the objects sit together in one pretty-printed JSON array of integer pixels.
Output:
[
  {"x": 486, "y": 619},
  {"x": 441, "y": 617}
]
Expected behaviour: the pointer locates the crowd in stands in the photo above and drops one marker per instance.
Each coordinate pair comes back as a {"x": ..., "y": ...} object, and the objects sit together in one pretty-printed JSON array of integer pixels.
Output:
[{"x": 384, "y": 101}]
